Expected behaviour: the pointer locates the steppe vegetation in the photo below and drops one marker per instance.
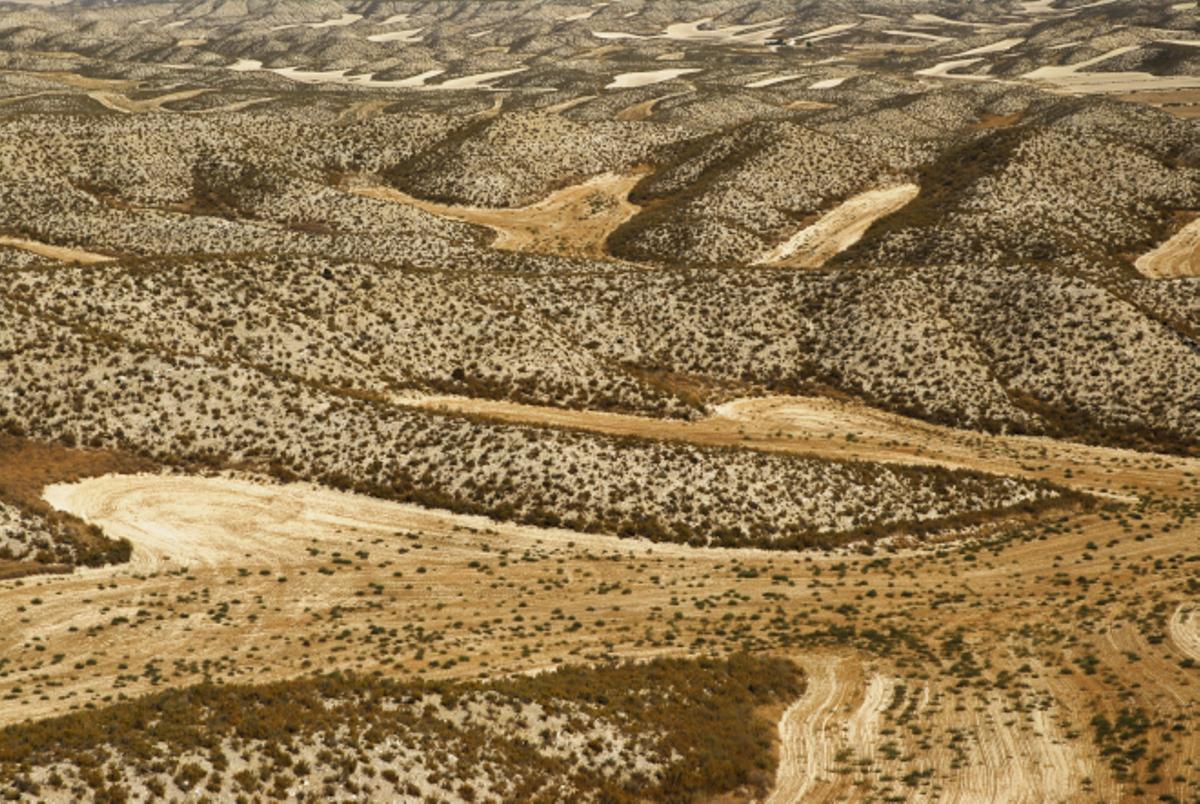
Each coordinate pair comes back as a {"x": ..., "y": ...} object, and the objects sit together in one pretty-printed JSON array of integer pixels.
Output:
[{"x": 616, "y": 401}]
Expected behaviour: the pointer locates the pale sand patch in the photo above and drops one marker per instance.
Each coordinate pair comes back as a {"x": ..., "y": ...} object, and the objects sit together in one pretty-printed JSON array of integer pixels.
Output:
[
  {"x": 810, "y": 104},
  {"x": 756, "y": 33},
  {"x": 123, "y": 103},
  {"x": 945, "y": 69},
  {"x": 778, "y": 79},
  {"x": 995, "y": 47},
  {"x": 338, "y": 22},
  {"x": 479, "y": 80},
  {"x": 617, "y": 35},
  {"x": 1178, "y": 256},
  {"x": 1061, "y": 70},
  {"x": 574, "y": 221},
  {"x": 1074, "y": 79},
  {"x": 395, "y": 18},
  {"x": 559, "y": 108},
  {"x": 193, "y": 521},
  {"x": 368, "y": 80},
  {"x": 828, "y": 83},
  {"x": 404, "y": 37},
  {"x": 821, "y": 33},
  {"x": 753, "y": 34},
  {"x": 917, "y": 35},
  {"x": 838, "y": 229},
  {"x": 1184, "y": 628},
  {"x": 938, "y": 20},
  {"x": 56, "y": 252},
  {"x": 190, "y": 42},
  {"x": 806, "y": 744},
  {"x": 641, "y": 79},
  {"x": 1047, "y": 7},
  {"x": 583, "y": 15}
]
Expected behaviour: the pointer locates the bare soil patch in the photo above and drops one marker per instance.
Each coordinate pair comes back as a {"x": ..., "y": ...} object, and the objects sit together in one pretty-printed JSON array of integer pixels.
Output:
[{"x": 574, "y": 221}]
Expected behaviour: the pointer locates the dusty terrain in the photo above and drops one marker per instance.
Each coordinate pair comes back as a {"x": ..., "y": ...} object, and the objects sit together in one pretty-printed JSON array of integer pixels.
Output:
[
  {"x": 599, "y": 401},
  {"x": 572, "y": 222}
]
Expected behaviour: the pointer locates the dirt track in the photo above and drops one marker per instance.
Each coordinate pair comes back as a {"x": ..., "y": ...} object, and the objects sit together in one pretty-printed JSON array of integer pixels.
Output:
[{"x": 843, "y": 429}]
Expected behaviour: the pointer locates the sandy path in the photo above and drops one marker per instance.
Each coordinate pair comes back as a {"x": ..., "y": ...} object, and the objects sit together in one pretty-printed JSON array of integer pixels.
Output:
[
  {"x": 806, "y": 744},
  {"x": 828, "y": 83},
  {"x": 862, "y": 729},
  {"x": 838, "y": 229},
  {"x": 820, "y": 426},
  {"x": 831, "y": 740},
  {"x": 772, "y": 81},
  {"x": 123, "y": 103},
  {"x": 1184, "y": 627},
  {"x": 995, "y": 47},
  {"x": 928, "y": 37},
  {"x": 404, "y": 37},
  {"x": 56, "y": 252},
  {"x": 1178, "y": 256},
  {"x": 574, "y": 221}
]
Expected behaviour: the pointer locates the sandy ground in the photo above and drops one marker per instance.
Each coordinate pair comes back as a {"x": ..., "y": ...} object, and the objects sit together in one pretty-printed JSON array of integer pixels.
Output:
[
  {"x": 827, "y": 83},
  {"x": 805, "y": 732},
  {"x": 846, "y": 429},
  {"x": 928, "y": 37},
  {"x": 1074, "y": 78},
  {"x": 368, "y": 80},
  {"x": 773, "y": 80},
  {"x": 945, "y": 69},
  {"x": 404, "y": 37},
  {"x": 55, "y": 252},
  {"x": 574, "y": 221},
  {"x": 1178, "y": 256},
  {"x": 1002, "y": 46},
  {"x": 642, "y": 79},
  {"x": 838, "y": 229},
  {"x": 123, "y": 103},
  {"x": 251, "y": 581},
  {"x": 698, "y": 31},
  {"x": 1184, "y": 627},
  {"x": 643, "y": 110},
  {"x": 336, "y": 22}
]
